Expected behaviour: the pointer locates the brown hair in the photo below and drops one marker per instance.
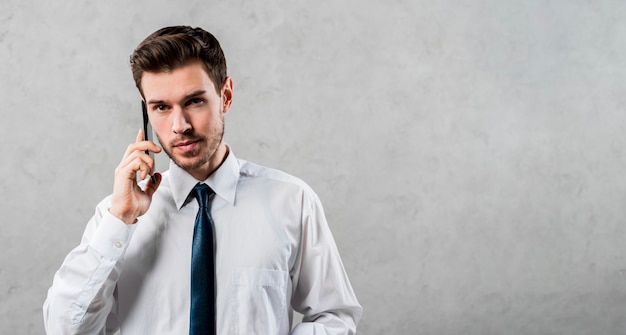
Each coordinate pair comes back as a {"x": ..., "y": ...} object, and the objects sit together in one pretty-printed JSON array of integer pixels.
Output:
[{"x": 171, "y": 47}]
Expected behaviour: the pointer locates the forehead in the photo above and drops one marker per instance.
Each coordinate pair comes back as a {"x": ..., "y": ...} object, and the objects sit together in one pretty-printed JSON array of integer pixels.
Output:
[{"x": 181, "y": 81}]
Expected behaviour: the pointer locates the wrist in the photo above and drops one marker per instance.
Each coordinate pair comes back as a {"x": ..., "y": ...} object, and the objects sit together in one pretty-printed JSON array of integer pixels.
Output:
[{"x": 126, "y": 218}]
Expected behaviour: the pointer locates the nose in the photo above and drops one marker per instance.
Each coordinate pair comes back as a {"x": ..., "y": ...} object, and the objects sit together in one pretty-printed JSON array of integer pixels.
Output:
[{"x": 180, "y": 121}]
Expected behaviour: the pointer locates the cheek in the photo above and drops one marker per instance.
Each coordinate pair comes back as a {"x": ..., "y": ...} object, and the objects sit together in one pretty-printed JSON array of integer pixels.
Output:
[
  {"x": 206, "y": 122},
  {"x": 162, "y": 129}
]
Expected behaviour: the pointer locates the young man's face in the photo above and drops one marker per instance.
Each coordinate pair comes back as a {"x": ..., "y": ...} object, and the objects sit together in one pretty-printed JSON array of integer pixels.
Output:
[{"x": 187, "y": 115}]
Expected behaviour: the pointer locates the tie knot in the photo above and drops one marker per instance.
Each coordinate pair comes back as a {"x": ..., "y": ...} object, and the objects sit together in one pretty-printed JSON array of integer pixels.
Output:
[{"x": 202, "y": 193}]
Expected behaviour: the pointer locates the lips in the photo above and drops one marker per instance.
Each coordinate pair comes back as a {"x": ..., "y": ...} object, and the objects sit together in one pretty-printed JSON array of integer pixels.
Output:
[{"x": 186, "y": 146}]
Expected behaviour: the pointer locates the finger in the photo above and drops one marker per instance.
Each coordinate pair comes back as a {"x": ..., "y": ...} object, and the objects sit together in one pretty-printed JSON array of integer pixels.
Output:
[
  {"x": 145, "y": 168},
  {"x": 138, "y": 161},
  {"x": 137, "y": 155},
  {"x": 139, "y": 137},
  {"x": 142, "y": 146},
  {"x": 132, "y": 147}
]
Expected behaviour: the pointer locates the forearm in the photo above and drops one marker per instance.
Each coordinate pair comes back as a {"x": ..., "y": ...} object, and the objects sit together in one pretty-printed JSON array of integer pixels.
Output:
[
  {"x": 82, "y": 294},
  {"x": 323, "y": 293},
  {"x": 336, "y": 312}
]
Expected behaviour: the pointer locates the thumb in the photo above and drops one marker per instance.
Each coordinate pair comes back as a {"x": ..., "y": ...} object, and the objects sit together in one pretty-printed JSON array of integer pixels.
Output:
[{"x": 151, "y": 187}]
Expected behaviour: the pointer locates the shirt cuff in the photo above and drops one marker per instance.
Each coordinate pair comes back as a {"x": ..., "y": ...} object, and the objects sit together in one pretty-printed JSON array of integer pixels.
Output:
[
  {"x": 309, "y": 328},
  {"x": 112, "y": 237}
]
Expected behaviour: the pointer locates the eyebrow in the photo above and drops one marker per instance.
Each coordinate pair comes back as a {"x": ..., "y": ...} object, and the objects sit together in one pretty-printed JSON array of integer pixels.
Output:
[{"x": 186, "y": 97}]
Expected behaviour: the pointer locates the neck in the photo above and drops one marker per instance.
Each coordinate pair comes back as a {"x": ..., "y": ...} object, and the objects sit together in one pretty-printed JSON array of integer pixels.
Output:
[{"x": 216, "y": 160}]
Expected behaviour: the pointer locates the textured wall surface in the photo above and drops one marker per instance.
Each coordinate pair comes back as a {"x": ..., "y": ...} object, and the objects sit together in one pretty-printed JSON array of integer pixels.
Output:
[{"x": 469, "y": 154}]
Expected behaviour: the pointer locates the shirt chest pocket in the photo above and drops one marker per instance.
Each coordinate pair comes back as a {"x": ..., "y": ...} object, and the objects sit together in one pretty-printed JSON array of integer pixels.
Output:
[{"x": 259, "y": 301}]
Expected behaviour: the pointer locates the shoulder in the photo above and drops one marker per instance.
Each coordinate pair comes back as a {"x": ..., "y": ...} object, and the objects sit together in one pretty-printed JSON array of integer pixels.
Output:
[{"x": 254, "y": 173}]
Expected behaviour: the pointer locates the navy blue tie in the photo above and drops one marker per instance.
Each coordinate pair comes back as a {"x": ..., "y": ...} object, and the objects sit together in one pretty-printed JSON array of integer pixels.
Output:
[{"x": 202, "y": 317}]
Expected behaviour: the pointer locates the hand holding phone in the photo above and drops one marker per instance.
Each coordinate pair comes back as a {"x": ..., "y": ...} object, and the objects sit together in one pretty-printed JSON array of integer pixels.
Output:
[{"x": 129, "y": 200}]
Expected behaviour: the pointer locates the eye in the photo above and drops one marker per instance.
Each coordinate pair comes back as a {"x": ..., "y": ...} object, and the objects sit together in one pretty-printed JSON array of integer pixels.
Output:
[
  {"x": 195, "y": 101},
  {"x": 160, "y": 108}
]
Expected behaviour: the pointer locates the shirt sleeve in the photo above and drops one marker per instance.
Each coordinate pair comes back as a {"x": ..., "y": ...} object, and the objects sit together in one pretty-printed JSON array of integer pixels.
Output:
[
  {"x": 82, "y": 296},
  {"x": 322, "y": 291}
]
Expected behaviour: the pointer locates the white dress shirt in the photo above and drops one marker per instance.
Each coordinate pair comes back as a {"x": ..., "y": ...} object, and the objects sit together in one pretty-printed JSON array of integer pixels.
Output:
[{"x": 274, "y": 253}]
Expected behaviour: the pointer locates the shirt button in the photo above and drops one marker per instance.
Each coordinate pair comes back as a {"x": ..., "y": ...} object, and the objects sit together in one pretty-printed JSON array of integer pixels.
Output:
[{"x": 118, "y": 244}]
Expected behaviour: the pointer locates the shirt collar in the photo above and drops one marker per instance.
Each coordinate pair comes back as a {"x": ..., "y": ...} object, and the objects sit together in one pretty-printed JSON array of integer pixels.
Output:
[{"x": 223, "y": 181}]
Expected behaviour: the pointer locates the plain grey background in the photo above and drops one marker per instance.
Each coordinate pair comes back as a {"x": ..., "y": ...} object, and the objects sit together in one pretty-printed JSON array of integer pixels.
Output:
[{"x": 469, "y": 154}]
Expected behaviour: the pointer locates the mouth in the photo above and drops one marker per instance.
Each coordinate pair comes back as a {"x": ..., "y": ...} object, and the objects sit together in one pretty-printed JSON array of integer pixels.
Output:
[{"x": 186, "y": 146}]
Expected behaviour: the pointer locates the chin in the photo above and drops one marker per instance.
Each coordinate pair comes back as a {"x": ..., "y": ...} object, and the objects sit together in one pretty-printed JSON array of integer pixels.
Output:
[{"x": 190, "y": 164}]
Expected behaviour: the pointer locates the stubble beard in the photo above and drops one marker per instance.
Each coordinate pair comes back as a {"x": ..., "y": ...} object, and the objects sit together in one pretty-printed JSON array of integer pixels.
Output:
[{"x": 212, "y": 145}]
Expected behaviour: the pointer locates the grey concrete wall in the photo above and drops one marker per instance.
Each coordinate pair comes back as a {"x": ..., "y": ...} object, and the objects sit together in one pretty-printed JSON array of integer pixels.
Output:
[{"x": 469, "y": 154}]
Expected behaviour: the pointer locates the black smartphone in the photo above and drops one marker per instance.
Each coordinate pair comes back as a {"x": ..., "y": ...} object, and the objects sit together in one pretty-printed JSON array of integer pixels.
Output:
[{"x": 147, "y": 133}]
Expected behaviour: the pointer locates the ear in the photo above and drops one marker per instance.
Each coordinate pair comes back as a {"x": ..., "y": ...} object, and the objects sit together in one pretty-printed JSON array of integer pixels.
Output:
[{"x": 227, "y": 94}]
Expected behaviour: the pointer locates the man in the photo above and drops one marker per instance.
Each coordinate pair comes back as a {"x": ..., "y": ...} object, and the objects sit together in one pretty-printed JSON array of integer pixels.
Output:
[{"x": 167, "y": 256}]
